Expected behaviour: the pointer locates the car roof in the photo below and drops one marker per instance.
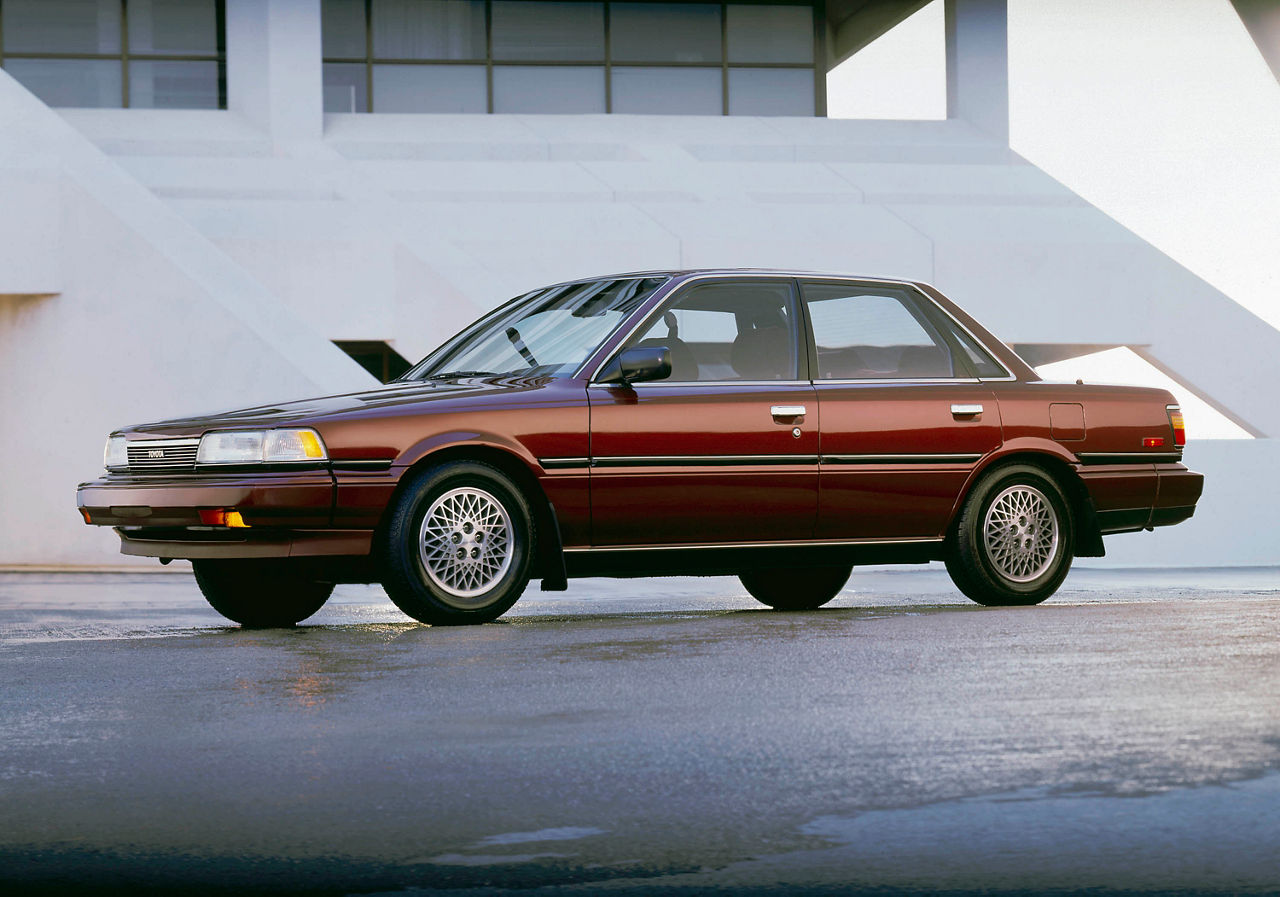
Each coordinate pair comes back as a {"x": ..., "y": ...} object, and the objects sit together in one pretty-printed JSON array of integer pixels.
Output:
[{"x": 684, "y": 273}]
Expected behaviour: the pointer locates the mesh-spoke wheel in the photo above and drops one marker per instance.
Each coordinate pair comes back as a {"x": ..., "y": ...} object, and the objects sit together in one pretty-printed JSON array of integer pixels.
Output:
[
  {"x": 465, "y": 544},
  {"x": 1012, "y": 542},
  {"x": 458, "y": 544},
  {"x": 1020, "y": 533}
]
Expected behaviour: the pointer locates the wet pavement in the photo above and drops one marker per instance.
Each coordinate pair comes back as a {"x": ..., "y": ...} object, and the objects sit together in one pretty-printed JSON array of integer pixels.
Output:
[{"x": 645, "y": 736}]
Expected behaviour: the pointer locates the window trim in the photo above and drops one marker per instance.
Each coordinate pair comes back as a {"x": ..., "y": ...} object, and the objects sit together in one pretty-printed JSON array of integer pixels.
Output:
[
  {"x": 927, "y": 307},
  {"x": 803, "y": 362},
  {"x": 125, "y": 57}
]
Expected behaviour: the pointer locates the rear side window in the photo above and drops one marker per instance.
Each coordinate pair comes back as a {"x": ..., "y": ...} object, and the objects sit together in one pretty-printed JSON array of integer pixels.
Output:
[
  {"x": 981, "y": 361},
  {"x": 875, "y": 333}
]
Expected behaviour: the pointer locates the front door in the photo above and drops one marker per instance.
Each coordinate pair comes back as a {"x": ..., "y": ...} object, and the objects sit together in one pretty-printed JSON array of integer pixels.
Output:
[
  {"x": 905, "y": 417},
  {"x": 725, "y": 450}
]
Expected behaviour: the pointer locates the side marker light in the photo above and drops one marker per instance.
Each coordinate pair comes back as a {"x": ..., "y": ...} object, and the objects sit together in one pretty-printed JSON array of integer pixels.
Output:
[{"x": 1153, "y": 442}]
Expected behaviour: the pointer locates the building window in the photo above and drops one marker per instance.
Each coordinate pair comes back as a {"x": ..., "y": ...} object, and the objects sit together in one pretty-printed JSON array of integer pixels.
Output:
[
  {"x": 573, "y": 56},
  {"x": 149, "y": 54}
]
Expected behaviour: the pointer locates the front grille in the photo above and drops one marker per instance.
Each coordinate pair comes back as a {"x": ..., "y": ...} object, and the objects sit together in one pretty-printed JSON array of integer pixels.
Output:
[{"x": 163, "y": 454}]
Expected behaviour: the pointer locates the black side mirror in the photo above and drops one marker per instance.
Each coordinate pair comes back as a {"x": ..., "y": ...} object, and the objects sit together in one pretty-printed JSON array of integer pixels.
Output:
[{"x": 638, "y": 364}]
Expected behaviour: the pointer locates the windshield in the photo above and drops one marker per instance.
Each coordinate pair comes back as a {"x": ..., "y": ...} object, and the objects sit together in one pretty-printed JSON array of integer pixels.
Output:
[{"x": 546, "y": 333}]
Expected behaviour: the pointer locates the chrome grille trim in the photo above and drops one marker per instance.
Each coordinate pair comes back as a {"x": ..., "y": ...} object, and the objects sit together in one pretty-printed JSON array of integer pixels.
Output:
[{"x": 163, "y": 454}]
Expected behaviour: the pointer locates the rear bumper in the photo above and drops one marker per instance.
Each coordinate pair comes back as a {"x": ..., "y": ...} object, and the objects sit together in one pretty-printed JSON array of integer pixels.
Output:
[{"x": 1133, "y": 497}]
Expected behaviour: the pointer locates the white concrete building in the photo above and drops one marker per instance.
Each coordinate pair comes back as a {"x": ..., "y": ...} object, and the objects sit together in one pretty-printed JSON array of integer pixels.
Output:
[{"x": 199, "y": 197}]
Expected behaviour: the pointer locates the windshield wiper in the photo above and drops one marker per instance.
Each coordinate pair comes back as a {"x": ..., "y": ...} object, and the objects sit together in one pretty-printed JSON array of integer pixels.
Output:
[{"x": 456, "y": 375}]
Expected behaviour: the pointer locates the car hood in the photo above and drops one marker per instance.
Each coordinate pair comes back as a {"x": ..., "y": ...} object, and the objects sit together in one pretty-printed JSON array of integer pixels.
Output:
[{"x": 438, "y": 394}]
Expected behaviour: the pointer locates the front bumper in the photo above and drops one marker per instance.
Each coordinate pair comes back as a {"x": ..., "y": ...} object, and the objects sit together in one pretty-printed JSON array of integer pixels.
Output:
[
  {"x": 289, "y": 514},
  {"x": 266, "y": 498}
]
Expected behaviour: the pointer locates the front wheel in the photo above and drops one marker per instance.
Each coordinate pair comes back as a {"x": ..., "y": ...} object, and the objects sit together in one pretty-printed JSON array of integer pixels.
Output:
[
  {"x": 796, "y": 589},
  {"x": 260, "y": 593},
  {"x": 1012, "y": 544},
  {"x": 458, "y": 545}
]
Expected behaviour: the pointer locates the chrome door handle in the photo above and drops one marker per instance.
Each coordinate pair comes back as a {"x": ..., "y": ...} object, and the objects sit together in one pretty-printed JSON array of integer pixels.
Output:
[
  {"x": 787, "y": 411},
  {"x": 966, "y": 410}
]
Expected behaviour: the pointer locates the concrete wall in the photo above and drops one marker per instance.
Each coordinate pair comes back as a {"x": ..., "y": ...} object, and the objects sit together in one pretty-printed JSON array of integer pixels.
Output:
[{"x": 180, "y": 261}]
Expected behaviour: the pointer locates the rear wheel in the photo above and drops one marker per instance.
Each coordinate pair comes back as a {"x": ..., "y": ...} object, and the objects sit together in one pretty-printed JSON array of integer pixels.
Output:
[
  {"x": 791, "y": 589},
  {"x": 1012, "y": 544},
  {"x": 458, "y": 545},
  {"x": 260, "y": 593}
]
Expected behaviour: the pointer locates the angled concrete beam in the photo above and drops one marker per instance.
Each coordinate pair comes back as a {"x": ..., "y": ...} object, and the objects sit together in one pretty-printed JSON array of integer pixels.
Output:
[
  {"x": 1262, "y": 18},
  {"x": 870, "y": 21}
]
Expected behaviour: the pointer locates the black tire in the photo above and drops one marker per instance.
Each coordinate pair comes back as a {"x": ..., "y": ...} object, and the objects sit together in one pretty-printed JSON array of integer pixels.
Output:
[
  {"x": 1020, "y": 562},
  {"x": 430, "y": 584},
  {"x": 260, "y": 593},
  {"x": 796, "y": 589}
]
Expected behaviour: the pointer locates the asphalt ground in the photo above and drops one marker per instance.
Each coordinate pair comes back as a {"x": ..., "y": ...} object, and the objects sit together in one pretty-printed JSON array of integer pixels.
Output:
[{"x": 647, "y": 736}]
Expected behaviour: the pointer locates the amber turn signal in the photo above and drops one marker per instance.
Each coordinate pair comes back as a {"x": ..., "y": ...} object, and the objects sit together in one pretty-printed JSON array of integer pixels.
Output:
[
  {"x": 1179, "y": 428},
  {"x": 222, "y": 517}
]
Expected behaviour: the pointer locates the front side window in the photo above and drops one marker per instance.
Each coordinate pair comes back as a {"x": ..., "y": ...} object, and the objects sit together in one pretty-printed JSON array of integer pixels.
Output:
[
  {"x": 727, "y": 331},
  {"x": 875, "y": 333},
  {"x": 547, "y": 333},
  {"x": 162, "y": 54}
]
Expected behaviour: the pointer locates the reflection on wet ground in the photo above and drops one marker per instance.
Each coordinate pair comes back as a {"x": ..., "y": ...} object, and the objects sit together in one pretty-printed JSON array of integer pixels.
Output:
[
  {"x": 39, "y": 607},
  {"x": 647, "y": 735}
]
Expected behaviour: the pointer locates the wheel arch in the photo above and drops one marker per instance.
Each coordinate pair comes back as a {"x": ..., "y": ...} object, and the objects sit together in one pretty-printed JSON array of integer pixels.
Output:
[
  {"x": 1060, "y": 467},
  {"x": 548, "y": 564}
]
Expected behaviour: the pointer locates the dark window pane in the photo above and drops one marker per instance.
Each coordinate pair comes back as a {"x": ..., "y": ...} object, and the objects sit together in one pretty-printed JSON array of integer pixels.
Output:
[
  {"x": 166, "y": 84},
  {"x": 430, "y": 88},
  {"x": 557, "y": 32},
  {"x": 979, "y": 358},
  {"x": 61, "y": 26},
  {"x": 667, "y": 91},
  {"x": 770, "y": 33},
  {"x": 173, "y": 26},
  {"x": 70, "y": 82},
  {"x": 428, "y": 29},
  {"x": 771, "y": 91},
  {"x": 866, "y": 334},
  {"x": 728, "y": 331},
  {"x": 346, "y": 87},
  {"x": 548, "y": 88},
  {"x": 665, "y": 32},
  {"x": 342, "y": 28}
]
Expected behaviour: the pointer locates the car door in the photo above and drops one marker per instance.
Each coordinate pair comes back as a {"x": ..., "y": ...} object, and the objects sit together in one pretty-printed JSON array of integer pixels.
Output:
[
  {"x": 725, "y": 449},
  {"x": 905, "y": 416}
]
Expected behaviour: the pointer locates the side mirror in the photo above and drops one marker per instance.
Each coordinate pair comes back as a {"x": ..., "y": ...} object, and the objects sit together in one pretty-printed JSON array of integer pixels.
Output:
[{"x": 638, "y": 364}]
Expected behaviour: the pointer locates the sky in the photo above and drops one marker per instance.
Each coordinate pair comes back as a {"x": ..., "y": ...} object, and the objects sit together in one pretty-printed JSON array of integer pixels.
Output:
[{"x": 1162, "y": 113}]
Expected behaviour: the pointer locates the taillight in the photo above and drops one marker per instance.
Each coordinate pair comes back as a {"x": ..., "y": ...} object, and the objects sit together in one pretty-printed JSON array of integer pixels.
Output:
[{"x": 1175, "y": 421}]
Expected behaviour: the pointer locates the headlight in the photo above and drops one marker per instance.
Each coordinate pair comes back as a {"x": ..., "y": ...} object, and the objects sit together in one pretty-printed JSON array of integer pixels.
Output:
[
  {"x": 294, "y": 445},
  {"x": 116, "y": 454},
  {"x": 258, "y": 446}
]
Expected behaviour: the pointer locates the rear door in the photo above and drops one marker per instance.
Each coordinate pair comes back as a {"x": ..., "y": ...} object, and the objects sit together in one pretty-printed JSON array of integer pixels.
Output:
[
  {"x": 725, "y": 450},
  {"x": 905, "y": 417}
]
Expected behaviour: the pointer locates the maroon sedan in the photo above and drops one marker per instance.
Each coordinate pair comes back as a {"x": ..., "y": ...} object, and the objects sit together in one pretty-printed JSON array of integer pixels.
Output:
[{"x": 775, "y": 426}]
